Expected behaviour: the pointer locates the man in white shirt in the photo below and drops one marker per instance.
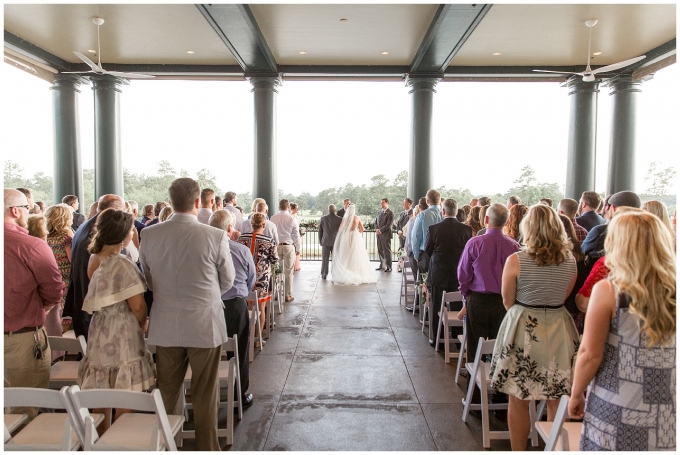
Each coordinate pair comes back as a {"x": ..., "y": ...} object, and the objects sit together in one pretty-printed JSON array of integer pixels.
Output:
[
  {"x": 269, "y": 227},
  {"x": 289, "y": 243},
  {"x": 188, "y": 266},
  {"x": 207, "y": 201},
  {"x": 230, "y": 205}
]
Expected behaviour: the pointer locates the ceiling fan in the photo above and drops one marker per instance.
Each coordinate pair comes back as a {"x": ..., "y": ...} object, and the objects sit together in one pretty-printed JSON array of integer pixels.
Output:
[
  {"x": 589, "y": 74},
  {"x": 97, "y": 67}
]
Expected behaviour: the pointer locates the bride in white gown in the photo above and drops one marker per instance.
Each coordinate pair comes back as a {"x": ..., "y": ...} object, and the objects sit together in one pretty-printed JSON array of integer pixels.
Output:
[{"x": 350, "y": 265}]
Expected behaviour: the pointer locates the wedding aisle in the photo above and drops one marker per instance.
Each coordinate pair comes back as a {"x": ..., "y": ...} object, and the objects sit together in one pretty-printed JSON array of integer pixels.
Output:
[{"x": 347, "y": 368}]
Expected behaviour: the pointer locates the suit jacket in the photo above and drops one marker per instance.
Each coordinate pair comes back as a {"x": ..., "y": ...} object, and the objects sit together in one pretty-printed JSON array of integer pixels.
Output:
[
  {"x": 593, "y": 245},
  {"x": 589, "y": 220},
  {"x": 77, "y": 288},
  {"x": 341, "y": 212},
  {"x": 139, "y": 226},
  {"x": 328, "y": 229},
  {"x": 403, "y": 219},
  {"x": 78, "y": 219},
  {"x": 384, "y": 223},
  {"x": 188, "y": 267},
  {"x": 445, "y": 244}
]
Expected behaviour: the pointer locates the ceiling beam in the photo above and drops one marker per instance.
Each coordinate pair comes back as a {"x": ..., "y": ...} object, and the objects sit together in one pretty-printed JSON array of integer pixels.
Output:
[
  {"x": 34, "y": 52},
  {"x": 657, "y": 58},
  {"x": 237, "y": 28},
  {"x": 450, "y": 28}
]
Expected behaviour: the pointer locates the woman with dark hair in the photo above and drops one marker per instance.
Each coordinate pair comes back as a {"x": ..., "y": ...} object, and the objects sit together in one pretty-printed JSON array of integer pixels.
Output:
[
  {"x": 117, "y": 357},
  {"x": 147, "y": 213},
  {"x": 581, "y": 273},
  {"x": 473, "y": 219},
  {"x": 517, "y": 214}
]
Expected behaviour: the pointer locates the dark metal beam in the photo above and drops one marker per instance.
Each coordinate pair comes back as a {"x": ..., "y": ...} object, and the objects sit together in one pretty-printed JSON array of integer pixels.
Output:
[
  {"x": 450, "y": 28},
  {"x": 34, "y": 52},
  {"x": 167, "y": 70},
  {"x": 653, "y": 56},
  {"x": 237, "y": 28}
]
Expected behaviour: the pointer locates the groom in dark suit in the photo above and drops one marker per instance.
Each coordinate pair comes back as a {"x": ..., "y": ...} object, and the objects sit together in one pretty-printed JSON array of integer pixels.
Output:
[
  {"x": 341, "y": 212},
  {"x": 383, "y": 234},
  {"x": 328, "y": 230}
]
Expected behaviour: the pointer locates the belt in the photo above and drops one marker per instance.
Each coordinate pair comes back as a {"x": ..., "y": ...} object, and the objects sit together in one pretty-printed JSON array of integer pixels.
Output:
[
  {"x": 285, "y": 244},
  {"x": 24, "y": 330},
  {"x": 539, "y": 307}
]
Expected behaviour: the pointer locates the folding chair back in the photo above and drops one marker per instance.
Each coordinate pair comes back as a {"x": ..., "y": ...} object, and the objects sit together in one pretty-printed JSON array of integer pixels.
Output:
[
  {"x": 567, "y": 434},
  {"x": 448, "y": 318},
  {"x": 254, "y": 322},
  {"x": 231, "y": 345},
  {"x": 71, "y": 345}
]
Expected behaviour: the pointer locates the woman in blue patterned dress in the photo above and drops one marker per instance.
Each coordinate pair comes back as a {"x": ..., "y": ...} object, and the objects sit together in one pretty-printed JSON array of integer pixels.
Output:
[{"x": 628, "y": 342}]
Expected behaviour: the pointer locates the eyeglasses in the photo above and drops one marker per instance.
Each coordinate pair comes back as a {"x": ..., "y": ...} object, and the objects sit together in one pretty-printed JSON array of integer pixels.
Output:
[{"x": 27, "y": 207}]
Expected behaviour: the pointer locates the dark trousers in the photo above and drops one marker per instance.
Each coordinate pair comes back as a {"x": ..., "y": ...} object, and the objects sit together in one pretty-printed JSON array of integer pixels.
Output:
[
  {"x": 236, "y": 317},
  {"x": 81, "y": 323},
  {"x": 423, "y": 262},
  {"x": 325, "y": 257},
  {"x": 385, "y": 251},
  {"x": 485, "y": 313},
  {"x": 437, "y": 291}
]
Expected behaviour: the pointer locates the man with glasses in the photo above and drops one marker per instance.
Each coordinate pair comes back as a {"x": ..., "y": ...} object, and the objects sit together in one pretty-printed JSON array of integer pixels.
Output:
[{"x": 32, "y": 286}]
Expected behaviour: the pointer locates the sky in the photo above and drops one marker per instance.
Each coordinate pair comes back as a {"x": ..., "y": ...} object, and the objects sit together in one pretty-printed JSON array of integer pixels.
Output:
[{"x": 333, "y": 133}]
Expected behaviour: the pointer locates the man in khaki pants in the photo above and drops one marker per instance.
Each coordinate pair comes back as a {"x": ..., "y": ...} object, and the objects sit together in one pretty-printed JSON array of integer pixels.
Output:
[
  {"x": 32, "y": 285},
  {"x": 289, "y": 243}
]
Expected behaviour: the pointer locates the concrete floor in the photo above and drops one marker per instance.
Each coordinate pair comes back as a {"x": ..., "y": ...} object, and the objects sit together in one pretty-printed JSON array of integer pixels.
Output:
[{"x": 347, "y": 368}]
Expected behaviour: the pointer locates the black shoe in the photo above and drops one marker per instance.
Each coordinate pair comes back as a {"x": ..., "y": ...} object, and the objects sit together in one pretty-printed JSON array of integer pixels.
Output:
[
  {"x": 247, "y": 400},
  {"x": 409, "y": 308},
  {"x": 388, "y": 270},
  {"x": 323, "y": 277},
  {"x": 379, "y": 268},
  {"x": 432, "y": 343}
]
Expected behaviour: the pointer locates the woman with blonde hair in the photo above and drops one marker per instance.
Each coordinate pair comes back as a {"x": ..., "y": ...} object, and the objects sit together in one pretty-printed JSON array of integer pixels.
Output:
[
  {"x": 165, "y": 214},
  {"x": 659, "y": 209},
  {"x": 628, "y": 342},
  {"x": 537, "y": 340},
  {"x": 517, "y": 214},
  {"x": 253, "y": 206}
]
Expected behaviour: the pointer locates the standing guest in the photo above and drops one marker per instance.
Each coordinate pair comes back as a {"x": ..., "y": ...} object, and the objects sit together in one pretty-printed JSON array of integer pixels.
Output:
[
  {"x": 135, "y": 213},
  {"x": 473, "y": 219},
  {"x": 517, "y": 214},
  {"x": 569, "y": 207},
  {"x": 218, "y": 204},
  {"x": 29, "y": 197},
  {"x": 41, "y": 205},
  {"x": 485, "y": 200},
  {"x": 593, "y": 245},
  {"x": 253, "y": 206},
  {"x": 230, "y": 201},
  {"x": 166, "y": 213},
  {"x": 234, "y": 300},
  {"x": 36, "y": 226},
  {"x": 263, "y": 250},
  {"x": 59, "y": 221},
  {"x": 117, "y": 357},
  {"x": 460, "y": 216},
  {"x": 345, "y": 204},
  {"x": 588, "y": 205},
  {"x": 128, "y": 208},
  {"x": 147, "y": 213},
  {"x": 188, "y": 267},
  {"x": 467, "y": 208},
  {"x": 207, "y": 203},
  {"x": 160, "y": 205},
  {"x": 408, "y": 246},
  {"x": 480, "y": 272},
  {"x": 289, "y": 244},
  {"x": 513, "y": 200},
  {"x": 294, "y": 211},
  {"x": 269, "y": 228},
  {"x": 537, "y": 340},
  {"x": 404, "y": 216},
  {"x": 659, "y": 209},
  {"x": 74, "y": 204},
  {"x": 445, "y": 244},
  {"x": 383, "y": 234},
  {"x": 426, "y": 218},
  {"x": 328, "y": 231},
  {"x": 80, "y": 280},
  {"x": 547, "y": 201},
  {"x": 473, "y": 202},
  {"x": 581, "y": 273},
  {"x": 32, "y": 285},
  {"x": 92, "y": 210},
  {"x": 628, "y": 344},
  {"x": 482, "y": 217}
]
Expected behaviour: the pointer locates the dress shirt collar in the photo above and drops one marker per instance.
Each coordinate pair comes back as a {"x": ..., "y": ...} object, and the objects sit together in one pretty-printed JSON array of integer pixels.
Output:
[
  {"x": 16, "y": 228},
  {"x": 494, "y": 231},
  {"x": 183, "y": 217}
]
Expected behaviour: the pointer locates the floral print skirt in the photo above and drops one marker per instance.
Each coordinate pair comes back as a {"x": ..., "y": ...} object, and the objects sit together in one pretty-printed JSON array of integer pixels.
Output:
[
  {"x": 117, "y": 357},
  {"x": 535, "y": 353}
]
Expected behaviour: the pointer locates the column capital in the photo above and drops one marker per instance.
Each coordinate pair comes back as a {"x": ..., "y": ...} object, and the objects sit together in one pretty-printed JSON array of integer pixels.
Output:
[
  {"x": 106, "y": 81},
  {"x": 264, "y": 81},
  {"x": 623, "y": 83},
  {"x": 68, "y": 82},
  {"x": 575, "y": 84},
  {"x": 420, "y": 82}
]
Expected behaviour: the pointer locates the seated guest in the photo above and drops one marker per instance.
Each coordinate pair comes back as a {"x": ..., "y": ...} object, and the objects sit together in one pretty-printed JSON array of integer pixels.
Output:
[
  {"x": 37, "y": 227},
  {"x": 265, "y": 256},
  {"x": 147, "y": 213},
  {"x": 93, "y": 209},
  {"x": 473, "y": 219},
  {"x": 117, "y": 357},
  {"x": 230, "y": 201},
  {"x": 160, "y": 205},
  {"x": 517, "y": 214},
  {"x": 537, "y": 340},
  {"x": 588, "y": 205},
  {"x": 593, "y": 245},
  {"x": 513, "y": 200},
  {"x": 628, "y": 344},
  {"x": 270, "y": 229},
  {"x": 207, "y": 202},
  {"x": 72, "y": 202},
  {"x": 569, "y": 207},
  {"x": 166, "y": 213},
  {"x": 235, "y": 305},
  {"x": 581, "y": 273}
]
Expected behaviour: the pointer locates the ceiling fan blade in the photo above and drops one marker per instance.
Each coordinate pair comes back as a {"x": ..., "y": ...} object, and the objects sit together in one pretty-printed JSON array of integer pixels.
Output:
[
  {"x": 557, "y": 72},
  {"x": 76, "y": 72},
  {"x": 616, "y": 66},
  {"x": 89, "y": 62},
  {"x": 130, "y": 75}
]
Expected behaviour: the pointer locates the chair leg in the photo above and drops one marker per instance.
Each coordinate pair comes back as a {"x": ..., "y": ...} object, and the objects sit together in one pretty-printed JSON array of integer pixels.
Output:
[
  {"x": 442, "y": 320},
  {"x": 463, "y": 352},
  {"x": 532, "y": 415},
  {"x": 251, "y": 340},
  {"x": 486, "y": 437},
  {"x": 468, "y": 397}
]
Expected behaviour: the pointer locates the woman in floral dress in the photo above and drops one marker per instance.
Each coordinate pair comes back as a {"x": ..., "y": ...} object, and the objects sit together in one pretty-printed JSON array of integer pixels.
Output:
[{"x": 265, "y": 256}]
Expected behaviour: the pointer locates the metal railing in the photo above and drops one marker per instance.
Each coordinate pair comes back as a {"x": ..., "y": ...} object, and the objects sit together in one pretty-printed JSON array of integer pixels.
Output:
[{"x": 311, "y": 250}]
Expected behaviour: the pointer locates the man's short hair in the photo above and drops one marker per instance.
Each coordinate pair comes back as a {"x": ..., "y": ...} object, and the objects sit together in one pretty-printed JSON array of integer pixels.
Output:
[
  {"x": 450, "y": 207},
  {"x": 592, "y": 199},
  {"x": 485, "y": 200},
  {"x": 133, "y": 205},
  {"x": 26, "y": 192},
  {"x": 385, "y": 200},
  {"x": 514, "y": 200},
  {"x": 229, "y": 196},
  {"x": 569, "y": 207},
  {"x": 547, "y": 201},
  {"x": 409, "y": 200},
  {"x": 110, "y": 201},
  {"x": 183, "y": 193},
  {"x": 346, "y": 200},
  {"x": 498, "y": 215},
  {"x": 284, "y": 204},
  {"x": 69, "y": 199},
  {"x": 433, "y": 197},
  {"x": 331, "y": 209},
  {"x": 261, "y": 207},
  {"x": 422, "y": 203},
  {"x": 206, "y": 195},
  {"x": 222, "y": 219}
]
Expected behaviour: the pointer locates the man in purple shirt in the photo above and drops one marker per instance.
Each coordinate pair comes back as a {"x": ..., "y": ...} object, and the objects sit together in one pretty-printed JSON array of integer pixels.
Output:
[{"x": 479, "y": 274}]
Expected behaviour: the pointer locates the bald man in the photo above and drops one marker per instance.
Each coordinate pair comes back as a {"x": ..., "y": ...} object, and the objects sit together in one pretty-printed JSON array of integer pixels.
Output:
[{"x": 77, "y": 288}]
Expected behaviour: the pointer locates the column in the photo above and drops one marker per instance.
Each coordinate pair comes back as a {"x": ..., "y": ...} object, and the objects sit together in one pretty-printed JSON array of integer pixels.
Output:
[
  {"x": 581, "y": 150},
  {"x": 422, "y": 100},
  {"x": 68, "y": 169},
  {"x": 108, "y": 161},
  {"x": 621, "y": 172},
  {"x": 265, "y": 170}
]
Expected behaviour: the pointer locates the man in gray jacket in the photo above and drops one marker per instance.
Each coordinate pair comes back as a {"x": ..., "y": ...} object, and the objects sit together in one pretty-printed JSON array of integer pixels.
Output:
[
  {"x": 328, "y": 230},
  {"x": 383, "y": 234}
]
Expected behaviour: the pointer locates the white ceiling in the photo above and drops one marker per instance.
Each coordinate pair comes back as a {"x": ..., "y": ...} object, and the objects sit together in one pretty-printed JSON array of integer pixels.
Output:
[{"x": 528, "y": 34}]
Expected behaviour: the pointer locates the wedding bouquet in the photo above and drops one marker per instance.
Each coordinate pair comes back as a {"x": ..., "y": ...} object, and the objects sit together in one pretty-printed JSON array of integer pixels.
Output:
[{"x": 400, "y": 263}]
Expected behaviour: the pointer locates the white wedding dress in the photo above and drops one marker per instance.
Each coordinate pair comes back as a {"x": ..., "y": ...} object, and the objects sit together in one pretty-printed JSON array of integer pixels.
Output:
[{"x": 350, "y": 265}]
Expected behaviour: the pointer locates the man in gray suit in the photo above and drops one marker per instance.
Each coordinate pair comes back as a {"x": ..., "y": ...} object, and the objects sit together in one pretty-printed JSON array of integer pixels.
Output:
[
  {"x": 328, "y": 230},
  {"x": 188, "y": 267},
  {"x": 383, "y": 234}
]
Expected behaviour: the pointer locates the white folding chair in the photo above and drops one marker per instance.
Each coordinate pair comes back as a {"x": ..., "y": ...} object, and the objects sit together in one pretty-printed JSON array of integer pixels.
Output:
[
  {"x": 65, "y": 372},
  {"x": 279, "y": 290},
  {"x": 462, "y": 339},
  {"x": 479, "y": 377},
  {"x": 14, "y": 421},
  {"x": 231, "y": 345},
  {"x": 254, "y": 318},
  {"x": 566, "y": 434},
  {"x": 48, "y": 431},
  {"x": 407, "y": 281},
  {"x": 447, "y": 319},
  {"x": 131, "y": 431}
]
